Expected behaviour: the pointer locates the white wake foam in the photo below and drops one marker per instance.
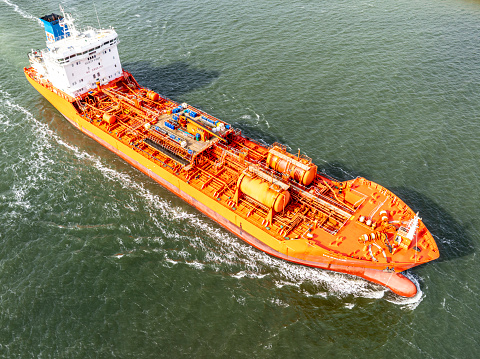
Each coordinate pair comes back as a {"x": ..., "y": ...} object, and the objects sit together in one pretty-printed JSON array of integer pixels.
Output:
[
  {"x": 24, "y": 14},
  {"x": 36, "y": 161}
]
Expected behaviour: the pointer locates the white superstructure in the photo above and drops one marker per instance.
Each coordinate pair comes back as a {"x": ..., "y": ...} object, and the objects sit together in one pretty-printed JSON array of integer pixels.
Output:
[{"x": 75, "y": 61}]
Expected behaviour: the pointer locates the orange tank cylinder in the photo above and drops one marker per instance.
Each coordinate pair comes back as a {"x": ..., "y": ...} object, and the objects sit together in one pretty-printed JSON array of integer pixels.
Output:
[
  {"x": 260, "y": 191},
  {"x": 152, "y": 95},
  {"x": 296, "y": 170},
  {"x": 111, "y": 119}
]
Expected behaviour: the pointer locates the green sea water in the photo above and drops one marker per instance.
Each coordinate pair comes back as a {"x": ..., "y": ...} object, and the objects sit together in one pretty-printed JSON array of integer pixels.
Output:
[{"x": 99, "y": 261}]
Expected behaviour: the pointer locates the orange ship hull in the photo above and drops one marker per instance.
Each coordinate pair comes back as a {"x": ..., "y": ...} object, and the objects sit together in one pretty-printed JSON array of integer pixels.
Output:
[{"x": 312, "y": 247}]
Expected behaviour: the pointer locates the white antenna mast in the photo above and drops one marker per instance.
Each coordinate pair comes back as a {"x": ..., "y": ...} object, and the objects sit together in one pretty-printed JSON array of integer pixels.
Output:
[
  {"x": 413, "y": 227},
  {"x": 68, "y": 20}
]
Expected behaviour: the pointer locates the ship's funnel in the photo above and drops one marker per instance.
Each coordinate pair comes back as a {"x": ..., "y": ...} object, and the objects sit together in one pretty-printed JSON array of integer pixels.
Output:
[{"x": 54, "y": 27}]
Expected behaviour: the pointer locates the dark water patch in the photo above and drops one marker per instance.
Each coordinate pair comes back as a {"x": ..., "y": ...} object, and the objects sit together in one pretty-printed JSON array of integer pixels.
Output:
[
  {"x": 172, "y": 80},
  {"x": 453, "y": 238}
]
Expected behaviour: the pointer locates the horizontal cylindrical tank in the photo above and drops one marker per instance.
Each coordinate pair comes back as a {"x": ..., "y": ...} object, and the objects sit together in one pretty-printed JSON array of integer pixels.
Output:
[
  {"x": 300, "y": 172},
  {"x": 111, "y": 119},
  {"x": 152, "y": 95},
  {"x": 260, "y": 191}
]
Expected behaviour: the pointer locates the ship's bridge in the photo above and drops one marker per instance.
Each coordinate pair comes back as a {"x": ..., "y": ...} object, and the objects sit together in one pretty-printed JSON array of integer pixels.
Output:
[{"x": 75, "y": 61}]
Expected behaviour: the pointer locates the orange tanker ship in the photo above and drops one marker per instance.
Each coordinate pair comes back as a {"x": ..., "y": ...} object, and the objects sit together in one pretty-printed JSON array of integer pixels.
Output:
[{"x": 274, "y": 200}]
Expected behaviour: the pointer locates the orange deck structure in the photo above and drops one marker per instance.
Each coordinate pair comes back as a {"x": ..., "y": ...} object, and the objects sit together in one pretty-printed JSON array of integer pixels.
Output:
[{"x": 274, "y": 200}]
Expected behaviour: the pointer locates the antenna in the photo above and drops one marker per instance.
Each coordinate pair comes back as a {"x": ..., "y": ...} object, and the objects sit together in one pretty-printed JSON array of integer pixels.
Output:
[
  {"x": 96, "y": 14},
  {"x": 67, "y": 21}
]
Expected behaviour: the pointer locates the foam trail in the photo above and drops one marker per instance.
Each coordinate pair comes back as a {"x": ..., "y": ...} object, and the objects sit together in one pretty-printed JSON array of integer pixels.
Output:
[{"x": 24, "y": 14}]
